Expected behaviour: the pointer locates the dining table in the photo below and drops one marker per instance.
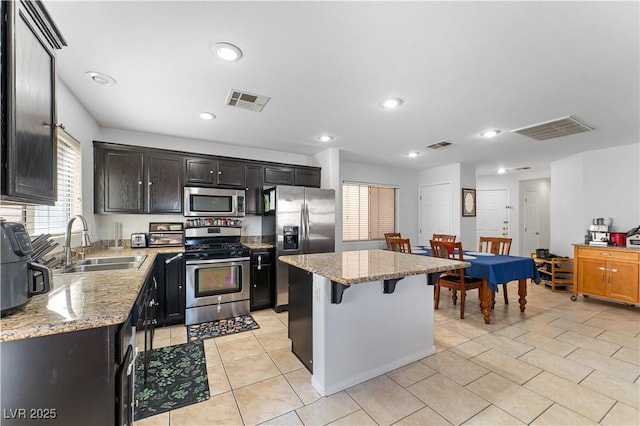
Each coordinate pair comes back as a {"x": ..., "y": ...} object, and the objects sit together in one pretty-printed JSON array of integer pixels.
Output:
[{"x": 495, "y": 270}]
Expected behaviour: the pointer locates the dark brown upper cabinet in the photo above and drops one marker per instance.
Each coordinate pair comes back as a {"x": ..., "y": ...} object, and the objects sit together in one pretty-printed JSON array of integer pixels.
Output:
[
  {"x": 307, "y": 177},
  {"x": 213, "y": 172},
  {"x": 29, "y": 41},
  {"x": 274, "y": 175},
  {"x": 164, "y": 183},
  {"x": 137, "y": 181},
  {"x": 131, "y": 179},
  {"x": 254, "y": 178}
]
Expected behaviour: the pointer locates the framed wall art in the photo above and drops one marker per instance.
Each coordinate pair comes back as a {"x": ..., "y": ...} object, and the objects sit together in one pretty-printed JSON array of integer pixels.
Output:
[{"x": 468, "y": 202}]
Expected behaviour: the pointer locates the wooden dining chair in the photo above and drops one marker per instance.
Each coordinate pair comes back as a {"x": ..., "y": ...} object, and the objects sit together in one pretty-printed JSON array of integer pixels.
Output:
[
  {"x": 402, "y": 245},
  {"x": 390, "y": 235},
  {"x": 496, "y": 245},
  {"x": 454, "y": 280},
  {"x": 443, "y": 237}
]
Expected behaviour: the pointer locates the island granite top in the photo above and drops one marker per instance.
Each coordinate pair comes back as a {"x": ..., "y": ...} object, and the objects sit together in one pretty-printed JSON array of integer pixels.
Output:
[
  {"x": 354, "y": 267},
  {"x": 82, "y": 300}
]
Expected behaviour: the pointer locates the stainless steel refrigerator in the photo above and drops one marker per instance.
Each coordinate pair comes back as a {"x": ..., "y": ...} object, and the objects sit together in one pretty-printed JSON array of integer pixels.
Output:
[{"x": 297, "y": 220}]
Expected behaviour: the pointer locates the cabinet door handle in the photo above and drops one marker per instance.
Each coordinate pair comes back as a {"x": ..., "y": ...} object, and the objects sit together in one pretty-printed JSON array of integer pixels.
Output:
[
  {"x": 259, "y": 262},
  {"x": 150, "y": 183},
  {"x": 605, "y": 254},
  {"x": 614, "y": 270},
  {"x": 139, "y": 182},
  {"x": 602, "y": 268},
  {"x": 219, "y": 173},
  {"x": 210, "y": 172}
]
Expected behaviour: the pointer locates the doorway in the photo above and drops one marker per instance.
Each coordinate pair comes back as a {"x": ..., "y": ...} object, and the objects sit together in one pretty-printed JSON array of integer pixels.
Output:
[
  {"x": 535, "y": 215},
  {"x": 435, "y": 211},
  {"x": 492, "y": 214}
]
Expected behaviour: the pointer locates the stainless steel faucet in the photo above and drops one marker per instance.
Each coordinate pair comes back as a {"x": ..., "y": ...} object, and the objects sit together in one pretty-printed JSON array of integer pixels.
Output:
[{"x": 84, "y": 239}]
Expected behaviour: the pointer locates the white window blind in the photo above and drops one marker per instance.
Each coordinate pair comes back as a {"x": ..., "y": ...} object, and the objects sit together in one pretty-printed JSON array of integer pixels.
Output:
[
  {"x": 53, "y": 219},
  {"x": 368, "y": 211}
]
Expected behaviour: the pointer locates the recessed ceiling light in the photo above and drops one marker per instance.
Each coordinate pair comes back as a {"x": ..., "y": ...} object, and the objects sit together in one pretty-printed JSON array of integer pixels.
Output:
[
  {"x": 326, "y": 138},
  {"x": 100, "y": 78},
  {"x": 226, "y": 51},
  {"x": 391, "y": 103},
  {"x": 502, "y": 171},
  {"x": 413, "y": 154},
  {"x": 490, "y": 133},
  {"x": 207, "y": 116}
]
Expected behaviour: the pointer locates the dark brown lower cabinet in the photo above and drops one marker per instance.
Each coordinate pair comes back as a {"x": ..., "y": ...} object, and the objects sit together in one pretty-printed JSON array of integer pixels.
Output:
[
  {"x": 301, "y": 315},
  {"x": 64, "y": 379},
  {"x": 262, "y": 279},
  {"x": 170, "y": 270}
]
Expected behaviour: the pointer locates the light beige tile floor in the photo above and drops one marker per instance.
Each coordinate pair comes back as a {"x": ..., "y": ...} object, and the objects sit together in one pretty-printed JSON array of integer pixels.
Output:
[{"x": 559, "y": 363}]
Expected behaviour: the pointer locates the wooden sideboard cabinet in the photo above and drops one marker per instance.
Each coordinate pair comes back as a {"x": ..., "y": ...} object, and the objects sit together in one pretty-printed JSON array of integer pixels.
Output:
[{"x": 607, "y": 272}]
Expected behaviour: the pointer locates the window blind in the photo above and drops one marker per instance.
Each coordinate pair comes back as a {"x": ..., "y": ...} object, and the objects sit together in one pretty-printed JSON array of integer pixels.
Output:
[
  {"x": 368, "y": 211},
  {"x": 53, "y": 219}
]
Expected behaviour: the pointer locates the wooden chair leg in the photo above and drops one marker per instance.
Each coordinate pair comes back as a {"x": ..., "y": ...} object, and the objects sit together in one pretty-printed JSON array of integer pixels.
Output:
[
  {"x": 506, "y": 296},
  {"x": 454, "y": 297},
  {"x": 437, "y": 296},
  {"x": 462, "y": 297}
]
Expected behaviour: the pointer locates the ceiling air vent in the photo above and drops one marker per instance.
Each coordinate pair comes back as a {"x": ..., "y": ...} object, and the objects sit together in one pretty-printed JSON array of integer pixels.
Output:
[
  {"x": 438, "y": 145},
  {"x": 553, "y": 129},
  {"x": 246, "y": 100}
]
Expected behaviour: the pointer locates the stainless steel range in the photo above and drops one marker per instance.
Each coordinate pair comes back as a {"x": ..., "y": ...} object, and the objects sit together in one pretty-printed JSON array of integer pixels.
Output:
[{"x": 217, "y": 274}]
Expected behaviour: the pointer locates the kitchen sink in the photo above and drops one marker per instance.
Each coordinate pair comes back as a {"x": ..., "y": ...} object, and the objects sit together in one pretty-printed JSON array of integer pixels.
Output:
[
  {"x": 111, "y": 260},
  {"x": 100, "y": 264}
]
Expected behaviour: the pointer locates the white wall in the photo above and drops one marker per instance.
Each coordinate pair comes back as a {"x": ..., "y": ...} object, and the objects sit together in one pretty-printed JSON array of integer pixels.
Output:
[
  {"x": 404, "y": 179},
  {"x": 82, "y": 127},
  {"x": 467, "y": 224},
  {"x": 600, "y": 183},
  {"x": 460, "y": 176}
]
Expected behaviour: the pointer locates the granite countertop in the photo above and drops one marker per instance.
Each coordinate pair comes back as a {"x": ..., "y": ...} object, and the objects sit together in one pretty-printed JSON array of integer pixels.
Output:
[
  {"x": 257, "y": 245},
  {"x": 83, "y": 300},
  {"x": 354, "y": 267}
]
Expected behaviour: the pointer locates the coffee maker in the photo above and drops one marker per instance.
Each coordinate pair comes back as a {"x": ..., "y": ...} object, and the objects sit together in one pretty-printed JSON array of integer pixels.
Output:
[{"x": 600, "y": 231}]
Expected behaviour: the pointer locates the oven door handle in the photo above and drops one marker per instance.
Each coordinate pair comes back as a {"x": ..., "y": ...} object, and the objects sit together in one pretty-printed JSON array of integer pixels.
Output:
[
  {"x": 211, "y": 261},
  {"x": 176, "y": 257}
]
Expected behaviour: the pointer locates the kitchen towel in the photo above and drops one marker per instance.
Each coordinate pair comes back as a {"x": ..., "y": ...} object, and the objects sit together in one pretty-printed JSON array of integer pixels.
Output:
[{"x": 176, "y": 377}]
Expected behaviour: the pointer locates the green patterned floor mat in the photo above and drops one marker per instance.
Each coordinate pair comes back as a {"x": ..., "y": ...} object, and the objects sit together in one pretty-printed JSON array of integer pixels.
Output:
[{"x": 176, "y": 377}]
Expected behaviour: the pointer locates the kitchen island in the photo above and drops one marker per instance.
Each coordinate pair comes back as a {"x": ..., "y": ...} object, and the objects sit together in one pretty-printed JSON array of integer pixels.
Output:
[{"x": 358, "y": 314}]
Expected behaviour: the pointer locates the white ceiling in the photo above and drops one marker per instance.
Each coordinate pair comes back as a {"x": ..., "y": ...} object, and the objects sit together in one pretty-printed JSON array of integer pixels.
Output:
[{"x": 460, "y": 67}]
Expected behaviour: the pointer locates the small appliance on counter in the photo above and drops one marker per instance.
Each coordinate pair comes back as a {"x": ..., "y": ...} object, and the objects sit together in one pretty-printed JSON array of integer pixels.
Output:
[
  {"x": 20, "y": 275},
  {"x": 633, "y": 238},
  {"x": 165, "y": 234},
  {"x": 138, "y": 240},
  {"x": 600, "y": 230},
  {"x": 619, "y": 239}
]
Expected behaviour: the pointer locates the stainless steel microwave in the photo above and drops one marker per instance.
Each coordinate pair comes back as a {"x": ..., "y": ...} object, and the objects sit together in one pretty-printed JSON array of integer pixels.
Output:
[{"x": 213, "y": 202}]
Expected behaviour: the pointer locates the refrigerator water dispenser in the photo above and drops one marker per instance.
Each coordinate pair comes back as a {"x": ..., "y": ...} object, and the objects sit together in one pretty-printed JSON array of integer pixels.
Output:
[{"x": 290, "y": 238}]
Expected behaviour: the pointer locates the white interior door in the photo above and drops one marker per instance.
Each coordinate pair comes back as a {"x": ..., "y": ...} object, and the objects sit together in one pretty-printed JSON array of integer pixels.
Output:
[
  {"x": 435, "y": 211},
  {"x": 531, "y": 221},
  {"x": 492, "y": 214}
]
